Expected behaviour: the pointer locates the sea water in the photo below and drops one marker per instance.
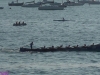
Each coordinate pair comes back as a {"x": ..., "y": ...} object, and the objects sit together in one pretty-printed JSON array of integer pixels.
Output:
[{"x": 83, "y": 28}]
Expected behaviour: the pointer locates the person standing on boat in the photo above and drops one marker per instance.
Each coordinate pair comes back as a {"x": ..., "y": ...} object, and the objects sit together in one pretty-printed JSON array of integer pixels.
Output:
[
  {"x": 31, "y": 44},
  {"x": 63, "y": 19}
]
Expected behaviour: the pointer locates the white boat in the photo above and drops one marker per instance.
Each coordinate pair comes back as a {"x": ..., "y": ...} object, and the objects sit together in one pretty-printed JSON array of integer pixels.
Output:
[
  {"x": 15, "y": 3},
  {"x": 89, "y": 1},
  {"x": 54, "y": 3},
  {"x": 76, "y": 4},
  {"x": 84, "y": 1},
  {"x": 59, "y": 4},
  {"x": 94, "y": 2},
  {"x": 69, "y": 3},
  {"x": 32, "y": 4},
  {"x": 50, "y": 7},
  {"x": 45, "y": 1}
]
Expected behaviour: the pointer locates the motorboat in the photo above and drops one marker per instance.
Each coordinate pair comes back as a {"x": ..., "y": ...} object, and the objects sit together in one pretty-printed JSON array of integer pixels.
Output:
[
  {"x": 76, "y": 4},
  {"x": 59, "y": 4},
  {"x": 1, "y": 7},
  {"x": 69, "y": 3},
  {"x": 54, "y": 3},
  {"x": 15, "y": 3},
  {"x": 37, "y": 4},
  {"x": 45, "y": 1},
  {"x": 89, "y": 2},
  {"x": 61, "y": 20},
  {"x": 32, "y": 4},
  {"x": 50, "y": 7},
  {"x": 94, "y": 2},
  {"x": 84, "y": 1}
]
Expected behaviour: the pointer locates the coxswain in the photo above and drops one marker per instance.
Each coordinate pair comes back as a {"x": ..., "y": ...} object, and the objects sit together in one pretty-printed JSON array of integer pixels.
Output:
[
  {"x": 31, "y": 44},
  {"x": 63, "y": 19}
]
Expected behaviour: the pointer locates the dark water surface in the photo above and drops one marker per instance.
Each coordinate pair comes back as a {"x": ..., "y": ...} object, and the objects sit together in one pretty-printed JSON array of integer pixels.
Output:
[{"x": 42, "y": 30}]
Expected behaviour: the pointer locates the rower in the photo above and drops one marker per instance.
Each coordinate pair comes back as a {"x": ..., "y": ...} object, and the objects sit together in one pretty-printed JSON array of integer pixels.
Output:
[
  {"x": 77, "y": 46},
  {"x": 19, "y": 22},
  {"x": 84, "y": 45},
  {"x": 53, "y": 47},
  {"x": 44, "y": 47},
  {"x": 12, "y": 2},
  {"x": 23, "y": 22},
  {"x": 93, "y": 44},
  {"x": 68, "y": 45},
  {"x": 63, "y": 19},
  {"x": 31, "y": 44}
]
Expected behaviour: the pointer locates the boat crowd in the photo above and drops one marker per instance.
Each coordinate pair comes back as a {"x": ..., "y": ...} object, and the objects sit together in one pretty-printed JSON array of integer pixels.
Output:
[
  {"x": 43, "y": 5},
  {"x": 61, "y": 46},
  {"x": 52, "y": 5}
]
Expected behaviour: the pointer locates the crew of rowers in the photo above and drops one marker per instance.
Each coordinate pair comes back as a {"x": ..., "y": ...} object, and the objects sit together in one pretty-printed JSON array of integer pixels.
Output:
[
  {"x": 19, "y": 23},
  {"x": 61, "y": 46}
]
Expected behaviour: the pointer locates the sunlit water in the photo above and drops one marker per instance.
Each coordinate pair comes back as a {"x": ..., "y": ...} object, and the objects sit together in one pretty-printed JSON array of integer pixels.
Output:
[{"x": 43, "y": 31}]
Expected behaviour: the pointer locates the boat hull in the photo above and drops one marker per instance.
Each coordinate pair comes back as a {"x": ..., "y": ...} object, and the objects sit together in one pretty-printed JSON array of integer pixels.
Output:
[
  {"x": 93, "y": 48},
  {"x": 50, "y": 8},
  {"x": 30, "y": 5},
  {"x": 19, "y": 24}
]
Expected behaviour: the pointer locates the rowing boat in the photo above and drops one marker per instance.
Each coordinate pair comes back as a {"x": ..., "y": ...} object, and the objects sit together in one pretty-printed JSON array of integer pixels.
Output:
[{"x": 91, "y": 48}]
